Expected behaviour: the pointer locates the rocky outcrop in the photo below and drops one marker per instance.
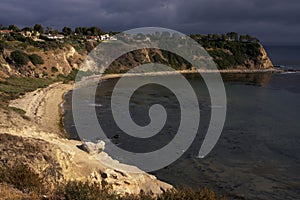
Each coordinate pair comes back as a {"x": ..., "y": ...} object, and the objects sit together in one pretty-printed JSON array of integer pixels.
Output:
[
  {"x": 62, "y": 60},
  {"x": 266, "y": 63},
  {"x": 57, "y": 161},
  {"x": 56, "y": 61},
  {"x": 93, "y": 147},
  {"x": 262, "y": 61}
]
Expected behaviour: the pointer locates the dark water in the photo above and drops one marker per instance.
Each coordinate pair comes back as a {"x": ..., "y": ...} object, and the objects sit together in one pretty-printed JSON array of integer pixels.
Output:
[
  {"x": 288, "y": 56},
  {"x": 258, "y": 154}
]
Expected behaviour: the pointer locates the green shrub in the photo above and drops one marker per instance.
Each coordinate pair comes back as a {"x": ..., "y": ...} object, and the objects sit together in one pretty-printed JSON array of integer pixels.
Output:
[
  {"x": 36, "y": 59},
  {"x": 45, "y": 73},
  {"x": 19, "y": 57},
  {"x": 69, "y": 77},
  {"x": 13, "y": 87},
  {"x": 1, "y": 48},
  {"x": 54, "y": 69},
  {"x": 92, "y": 191},
  {"x": 86, "y": 191},
  {"x": 18, "y": 110}
]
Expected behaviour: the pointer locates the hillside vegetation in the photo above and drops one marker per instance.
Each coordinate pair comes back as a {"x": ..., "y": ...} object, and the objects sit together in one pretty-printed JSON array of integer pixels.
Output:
[{"x": 33, "y": 52}]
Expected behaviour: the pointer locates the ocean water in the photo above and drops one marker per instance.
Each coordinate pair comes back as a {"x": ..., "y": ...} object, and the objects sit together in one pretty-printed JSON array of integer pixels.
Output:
[
  {"x": 283, "y": 55},
  {"x": 258, "y": 154}
]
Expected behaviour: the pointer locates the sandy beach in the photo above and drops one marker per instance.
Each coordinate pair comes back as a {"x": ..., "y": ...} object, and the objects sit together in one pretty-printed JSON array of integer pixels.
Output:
[{"x": 43, "y": 106}]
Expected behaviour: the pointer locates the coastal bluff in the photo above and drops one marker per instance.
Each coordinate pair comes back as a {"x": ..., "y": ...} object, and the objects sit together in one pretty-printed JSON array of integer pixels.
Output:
[{"x": 55, "y": 59}]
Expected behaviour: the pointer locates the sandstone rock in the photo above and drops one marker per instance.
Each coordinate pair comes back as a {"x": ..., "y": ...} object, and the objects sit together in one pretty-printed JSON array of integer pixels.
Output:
[{"x": 93, "y": 147}]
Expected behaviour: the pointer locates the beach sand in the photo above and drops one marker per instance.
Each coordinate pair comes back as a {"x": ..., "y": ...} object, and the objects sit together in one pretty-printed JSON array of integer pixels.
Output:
[{"x": 43, "y": 106}]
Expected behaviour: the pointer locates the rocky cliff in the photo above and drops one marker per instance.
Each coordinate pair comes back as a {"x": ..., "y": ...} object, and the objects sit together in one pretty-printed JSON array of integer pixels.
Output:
[
  {"x": 65, "y": 57},
  {"x": 56, "y": 61}
]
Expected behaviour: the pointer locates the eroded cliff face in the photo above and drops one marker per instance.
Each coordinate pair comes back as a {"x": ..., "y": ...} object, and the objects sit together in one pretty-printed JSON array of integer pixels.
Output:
[
  {"x": 56, "y": 61},
  {"x": 63, "y": 60},
  {"x": 127, "y": 61},
  {"x": 265, "y": 60},
  {"x": 260, "y": 62},
  {"x": 57, "y": 162}
]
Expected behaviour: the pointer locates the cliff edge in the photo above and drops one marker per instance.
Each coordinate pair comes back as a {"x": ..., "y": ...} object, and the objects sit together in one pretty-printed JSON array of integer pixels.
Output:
[{"x": 52, "y": 59}]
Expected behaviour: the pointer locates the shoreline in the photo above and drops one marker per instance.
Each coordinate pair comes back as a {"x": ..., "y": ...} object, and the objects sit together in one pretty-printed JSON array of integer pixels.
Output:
[
  {"x": 224, "y": 71},
  {"x": 42, "y": 106},
  {"x": 97, "y": 77},
  {"x": 62, "y": 112}
]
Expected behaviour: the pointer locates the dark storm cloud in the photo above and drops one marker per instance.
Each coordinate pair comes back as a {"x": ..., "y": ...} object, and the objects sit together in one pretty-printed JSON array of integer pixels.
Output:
[{"x": 270, "y": 20}]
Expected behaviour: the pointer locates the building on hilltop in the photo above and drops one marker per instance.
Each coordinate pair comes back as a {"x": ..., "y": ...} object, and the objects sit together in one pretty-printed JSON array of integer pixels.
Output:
[
  {"x": 53, "y": 37},
  {"x": 27, "y": 34},
  {"x": 5, "y": 32},
  {"x": 104, "y": 37}
]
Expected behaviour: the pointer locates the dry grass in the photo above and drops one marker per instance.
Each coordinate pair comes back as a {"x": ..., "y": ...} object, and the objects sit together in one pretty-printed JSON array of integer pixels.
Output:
[
  {"x": 92, "y": 191},
  {"x": 23, "y": 184},
  {"x": 9, "y": 192}
]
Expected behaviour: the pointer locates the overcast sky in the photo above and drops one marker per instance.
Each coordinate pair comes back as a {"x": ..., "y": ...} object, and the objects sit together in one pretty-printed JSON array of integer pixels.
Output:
[{"x": 272, "y": 21}]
